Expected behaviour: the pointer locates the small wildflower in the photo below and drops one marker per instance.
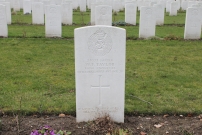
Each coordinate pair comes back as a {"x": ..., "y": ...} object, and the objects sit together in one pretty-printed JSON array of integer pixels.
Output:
[{"x": 48, "y": 130}]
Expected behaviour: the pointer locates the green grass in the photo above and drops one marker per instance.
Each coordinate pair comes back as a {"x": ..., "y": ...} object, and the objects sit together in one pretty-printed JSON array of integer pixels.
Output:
[
  {"x": 167, "y": 74},
  {"x": 38, "y": 72},
  {"x": 41, "y": 72},
  {"x": 31, "y": 31}
]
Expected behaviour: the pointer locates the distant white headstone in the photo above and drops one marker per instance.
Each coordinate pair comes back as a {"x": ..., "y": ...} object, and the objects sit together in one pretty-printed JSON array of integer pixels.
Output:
[
  {"x": 147, "y": 22},
  {"x": 130, "y": 13},
  {"x": 173, "y": 8},
  {"x": 88, "y": 4},
  {"x": 45, "y": 3},
  {"x": 103, "y": 15},
  {"x": 168, "y": 5},
  {"x": 52, "y": 2},
  {"x": 192, "y": 24},
  {"x": 3, "y": 22},
  {"x": 199, "y": 3},
  {"x": 53, "y": 24},
  {"x": 8, "y": 11},
  {"x": 178, "y": 4},
  {"x": 21, "y": 4},
  {"x": 92, "y": 13},
  {"x": 184, "y": 5},
  {"x": 58, "y": 2},
  {"x": 82, "y": 5},
  {"x": 104, "y": 2},
  {"x": 37, "y": 13},
  {"x": 121, "y": 4},
  {"x": 27, "y": 7},
  {"x": 163, "y": 3},
  {"x": 37, "y": 1},
  {"x": 67, "y": 13},
  {"x": 100, "y": 72},
  {"x": 116, "y": 5},
  {"x": 190, "y": 3},
  {"x": 75, "y": 4},
  {"x": 199, "y": 6},
  {"x": 145, "y": 3},
  {"x": 159, "y": 12},
  {"x": 139, "y": 4},
  {"x": 11, "y": 3},
  {"x": 153, "y": 3},
  {"x": 16, "y": 5}
]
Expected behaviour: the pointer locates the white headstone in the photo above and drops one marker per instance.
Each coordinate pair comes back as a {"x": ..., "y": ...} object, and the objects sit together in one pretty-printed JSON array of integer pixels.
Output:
[
  {"x": 103, "y": 15},
  {"x": 89, "y": 4},
  {"x": 100, "y": 72},
  {"x": 178, "y": 4},
  {"x": 121, "y": 4},
  {"x": 3, "y": 22},
  {"x": 199, "y": 6},
  {"x": 153, "y": 3},
  {"x": 168, "y": 5},
  {"x": 147, "y": 22},
  {"x": 8, "y": 11},
  {"x": 11, "y": 3},
  {"x": 45, "y": 3},
  {"x": 159, "y": 11},
  {"x": 37, "y": 1},
  {"x": 67, "y": 13},
  {"x": 116, "y": 5},
  {"x": 156, "y": 1},
  {"x": 145, "y": 4},
  {"x": 53, "y": 24},
  {"x": 190, "y": 3},
  {"x": 130, "y": 13},
  {"x": 104, "y": 2},
  {"x": 163, "y": 3},
  {"x": 37, "y": 13},
  {"x": 75, "y": 4},
  {"x": 140, "y": 3},
  {"x": 52, "y": 2},
  {"x": 93, "y": 5},
  {"x": 192, "y": 24},
  {"x": 199, "y": 3},
  {"x": 58, "y": 2},
  {"x": 82, "y": 5},
  {"x": 27, "y": 7},
  {"x": 173, "y": 8},
  {"x": 21, "y": 4},
  {"x": 16, "y": 5},
  {"x": 184, "y": 5},
  {"x": 92, "y": 13}
]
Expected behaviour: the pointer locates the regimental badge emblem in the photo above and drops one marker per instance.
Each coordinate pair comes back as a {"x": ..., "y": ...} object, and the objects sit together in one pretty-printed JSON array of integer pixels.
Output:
[{"x": 100, "y": 43}]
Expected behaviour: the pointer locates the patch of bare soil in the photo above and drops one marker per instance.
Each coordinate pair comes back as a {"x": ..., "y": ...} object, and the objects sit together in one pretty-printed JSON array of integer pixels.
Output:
[{"x": 137, "y": 125}]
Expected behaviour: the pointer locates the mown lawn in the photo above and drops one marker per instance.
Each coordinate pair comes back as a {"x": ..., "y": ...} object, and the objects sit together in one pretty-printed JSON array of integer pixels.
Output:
[{"x": 37, "y": 73}]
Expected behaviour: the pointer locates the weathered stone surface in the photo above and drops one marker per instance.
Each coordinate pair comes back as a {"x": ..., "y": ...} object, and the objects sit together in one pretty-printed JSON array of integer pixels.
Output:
[{"x": 100, "y": 72}]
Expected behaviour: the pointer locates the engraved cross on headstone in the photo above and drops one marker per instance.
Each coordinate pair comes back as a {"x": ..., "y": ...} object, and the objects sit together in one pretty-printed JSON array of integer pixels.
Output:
[{"x": 100, "y": 87}]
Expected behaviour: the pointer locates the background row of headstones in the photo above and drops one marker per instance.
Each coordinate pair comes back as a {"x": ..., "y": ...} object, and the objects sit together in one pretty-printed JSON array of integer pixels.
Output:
[
  {"x": 151, "y": 14},
  {"x": 116, "y": 4}
]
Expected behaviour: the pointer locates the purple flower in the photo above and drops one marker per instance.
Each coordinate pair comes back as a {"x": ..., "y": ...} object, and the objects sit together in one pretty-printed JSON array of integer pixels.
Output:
[
  {"x": 45, "y": 130},
  {"x": 35, "y": 132},
  {"x": 52, "y": 132}
]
